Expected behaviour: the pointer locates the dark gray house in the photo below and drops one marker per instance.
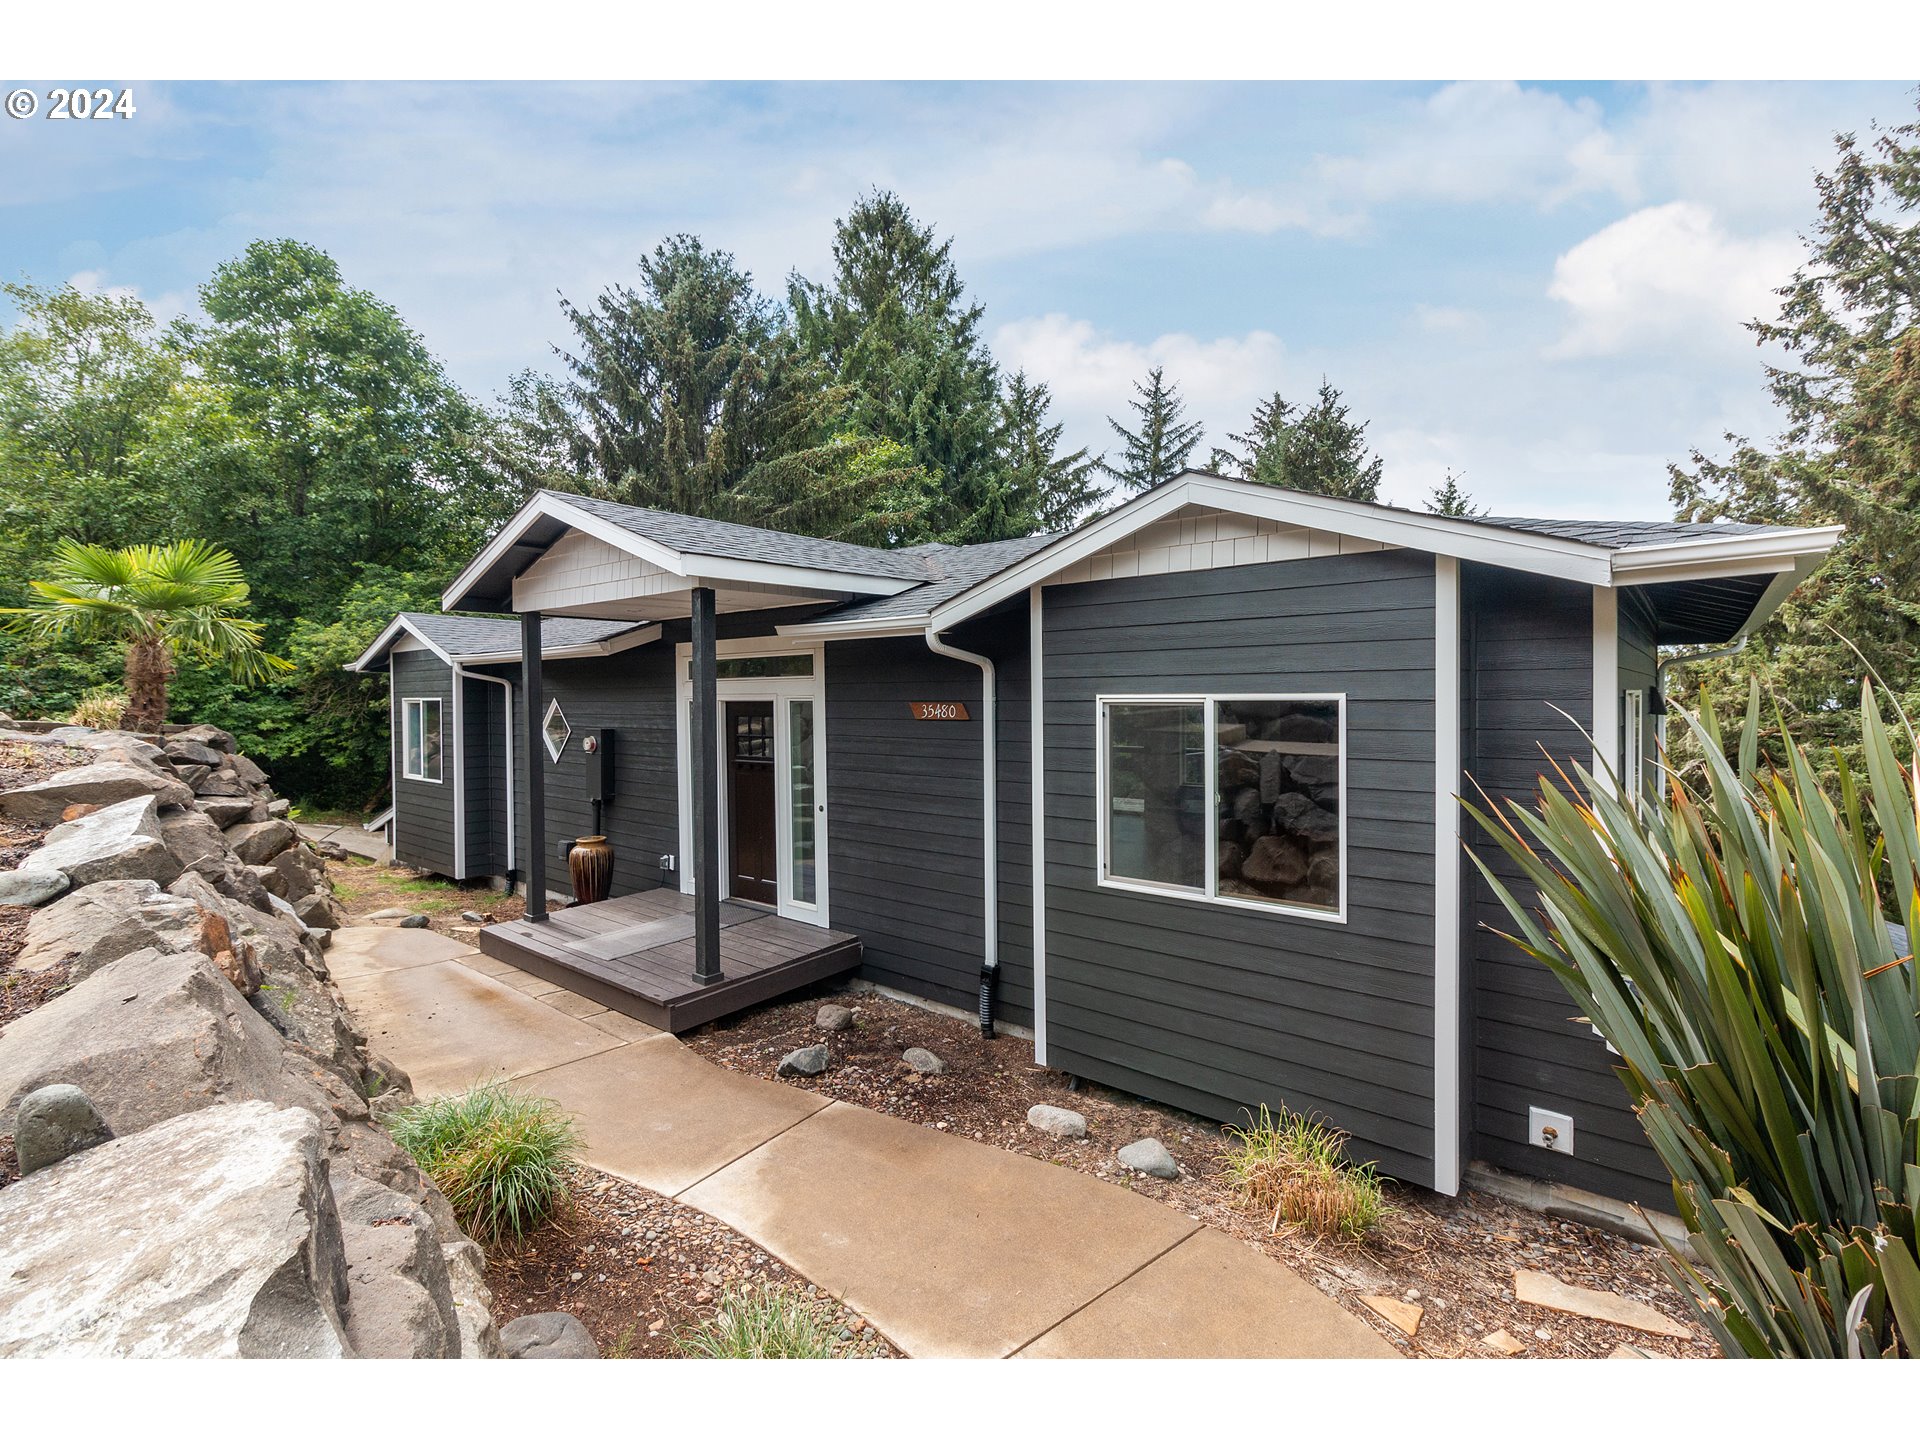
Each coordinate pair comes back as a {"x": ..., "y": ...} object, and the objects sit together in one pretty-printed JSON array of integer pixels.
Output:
[{"x": 1180, "y": 785}]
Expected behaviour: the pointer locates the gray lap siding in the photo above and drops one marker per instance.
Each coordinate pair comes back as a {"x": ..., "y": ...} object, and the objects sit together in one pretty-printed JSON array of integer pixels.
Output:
[
  {"x": 1223, "y": 1009},
  {"x": 1529, "y": 653},
  {"x": 423, "y": 811},
  {"x": 904, "y": 816}
]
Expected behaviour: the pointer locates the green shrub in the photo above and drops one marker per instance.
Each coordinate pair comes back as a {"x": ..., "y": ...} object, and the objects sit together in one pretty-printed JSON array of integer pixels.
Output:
[
  {"x": 499, "y": 1157},
  {"x": 100, "y": 708},
  {"x": 1295, "y": 1167},
  {"x": 1731, "y": 945},
  {"x": 768, "y": 1323}
]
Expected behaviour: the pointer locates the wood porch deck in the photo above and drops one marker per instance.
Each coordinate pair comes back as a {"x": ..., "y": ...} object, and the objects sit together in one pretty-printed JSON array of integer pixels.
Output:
[{"x": 634, "y": 954}]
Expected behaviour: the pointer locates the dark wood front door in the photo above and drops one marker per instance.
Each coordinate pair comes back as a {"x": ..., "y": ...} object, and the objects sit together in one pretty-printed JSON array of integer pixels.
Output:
[{"x": 751, "y": 840}]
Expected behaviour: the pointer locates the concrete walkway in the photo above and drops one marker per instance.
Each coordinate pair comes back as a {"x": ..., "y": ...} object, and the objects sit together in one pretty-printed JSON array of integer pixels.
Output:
[
  {"x": 952, "y": 1248},
  {"x": 356, "y": 839}
]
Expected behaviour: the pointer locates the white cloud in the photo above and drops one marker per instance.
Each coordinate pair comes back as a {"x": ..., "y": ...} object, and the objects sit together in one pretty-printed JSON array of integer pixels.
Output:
[
  {"x": 1480, "y": 142},
  {"x": 1667, "y": 277},
  {"x": 165, "y": 307}
]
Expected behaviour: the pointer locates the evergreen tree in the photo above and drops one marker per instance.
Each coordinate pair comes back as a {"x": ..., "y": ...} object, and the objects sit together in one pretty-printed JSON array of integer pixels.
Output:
[
  {"x": 1849, "y": 448},
  {"x": 894, "y": 330},
  {"x": 1055, "y": 491},
  {"x": 1451, "y": 498},
  {"x": 1318, "y": 449},
  {"x": 1158, "y": 450}
]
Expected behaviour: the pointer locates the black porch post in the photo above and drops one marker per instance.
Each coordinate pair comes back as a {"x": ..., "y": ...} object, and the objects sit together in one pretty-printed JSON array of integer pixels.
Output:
[
  {"x": 534, "y": 701},
  {"x": 706, "y": 794}
]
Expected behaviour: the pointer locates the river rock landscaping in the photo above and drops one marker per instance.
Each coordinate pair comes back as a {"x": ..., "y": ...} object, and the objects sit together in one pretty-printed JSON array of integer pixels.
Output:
[{"x": 1449, "y": 1268}]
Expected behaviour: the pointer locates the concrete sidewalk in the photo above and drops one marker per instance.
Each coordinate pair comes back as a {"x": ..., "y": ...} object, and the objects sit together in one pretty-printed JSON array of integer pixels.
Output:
[{"x": 952, "y": 1248}]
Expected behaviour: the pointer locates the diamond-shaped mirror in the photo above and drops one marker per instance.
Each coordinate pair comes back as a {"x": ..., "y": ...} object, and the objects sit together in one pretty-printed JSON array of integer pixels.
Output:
[{"x": 555, "y": 730}]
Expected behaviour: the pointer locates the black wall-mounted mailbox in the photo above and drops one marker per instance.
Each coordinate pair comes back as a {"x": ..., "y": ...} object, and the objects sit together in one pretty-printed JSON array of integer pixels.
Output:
[{"x": 598, "y": 747}]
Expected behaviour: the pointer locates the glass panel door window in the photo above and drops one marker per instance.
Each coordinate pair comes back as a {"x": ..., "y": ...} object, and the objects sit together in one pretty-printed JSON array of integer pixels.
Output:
[
  {"x": 802, "y": 824},
  {"x": 421, "y": 740}
]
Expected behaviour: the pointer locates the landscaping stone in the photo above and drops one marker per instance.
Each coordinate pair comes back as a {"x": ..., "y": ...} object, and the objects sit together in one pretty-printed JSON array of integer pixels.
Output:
[
  {"x": 224, "y": 810},
  {"x": 251, "y": 775},
  {"x": 279, "y": 809},
  {"x": 387, "y": 914},
  {"x": 1502, "y": 1343},
  {"x": 191, "y": 752},
  {"x": 295, "y": 871},
  {"x": 31, "y": 886},
  {"x": 97, "y": 924},
  {"x": 149, "y": 1037},
  {"x": 320, "y": 911},
  {"x": 1061, "y": 1124},
  {"x": 809, "y": 1060},
  {"x": 102, "y": 783},
  {"x": 1400, "y": 1314},
  {"x": 415, "y": 921},
  {"x": 401, "y": 1297},
  {"x": 554, "y": 1335},
  {"x": 120, "y": 842},
  {"x": 1536, "y": 1287},
  {"x": 225, "y": 784},
  {"x": 924, "y": 1062},
  {"x": 833, "y": 1018},
  {"x": 472, "y": 1299},
  {"x": 210, "y": 735},
  {"x": 236, "y": 1250},
  {"x": 54, "y": 1122},
  {"x": 258, "y": 843},
  {"x": 195, "y": 841},
  {"x": 1150, "y": 1157}
]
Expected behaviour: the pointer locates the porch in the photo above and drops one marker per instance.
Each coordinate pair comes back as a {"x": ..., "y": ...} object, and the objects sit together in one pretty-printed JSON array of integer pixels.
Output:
[{"x": 636, "y": 954}]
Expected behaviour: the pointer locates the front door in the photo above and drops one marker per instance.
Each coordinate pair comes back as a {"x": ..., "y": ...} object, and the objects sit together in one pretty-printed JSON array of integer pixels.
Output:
[{"x": 752, "y": 836}]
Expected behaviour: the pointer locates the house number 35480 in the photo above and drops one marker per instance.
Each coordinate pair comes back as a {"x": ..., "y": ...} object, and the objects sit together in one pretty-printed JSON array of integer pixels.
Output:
[{"x": 938, "y": 709}]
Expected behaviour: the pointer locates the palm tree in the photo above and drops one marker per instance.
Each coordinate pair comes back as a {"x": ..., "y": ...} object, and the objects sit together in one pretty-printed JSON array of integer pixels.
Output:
[{"x": 163, "y": 602}]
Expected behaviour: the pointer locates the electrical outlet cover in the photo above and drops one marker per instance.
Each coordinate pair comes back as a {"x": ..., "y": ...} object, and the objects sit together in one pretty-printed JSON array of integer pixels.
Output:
[{"x": 1539, "y": 1122}]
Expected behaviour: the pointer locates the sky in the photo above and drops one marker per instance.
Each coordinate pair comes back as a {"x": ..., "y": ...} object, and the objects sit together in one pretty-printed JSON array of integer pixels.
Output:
[{"x": 1541, "y": 288}]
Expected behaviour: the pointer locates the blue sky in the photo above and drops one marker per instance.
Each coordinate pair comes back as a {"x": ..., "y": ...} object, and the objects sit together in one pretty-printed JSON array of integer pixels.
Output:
[{"x": 1538, "y": 286}]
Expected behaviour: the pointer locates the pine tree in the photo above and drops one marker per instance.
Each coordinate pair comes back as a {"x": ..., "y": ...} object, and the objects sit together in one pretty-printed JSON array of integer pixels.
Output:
[
  {"x": 1451, "y": 498},
  {"x": 894, "y": 330},
  {"x": 1158, "y": 450},
  {"x": 1849, "y": 447},
  {"x": 1266, "y": 436},
  {"x": 1318, "y": 449},
  {"x": 1056, "y": 491}
]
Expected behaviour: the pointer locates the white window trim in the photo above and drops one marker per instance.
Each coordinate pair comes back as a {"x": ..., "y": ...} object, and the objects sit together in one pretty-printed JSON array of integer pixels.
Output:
[
  {"x": 406, "y": 761},
  {"x": 554, "y": 752},
  {"x": 1209, "y": 894},
  {"x": 779, "y": 689},
  {"x": 1633, "y": 743}
]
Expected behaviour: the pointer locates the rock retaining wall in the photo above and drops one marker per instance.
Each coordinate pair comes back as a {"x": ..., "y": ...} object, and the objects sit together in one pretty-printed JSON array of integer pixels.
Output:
[{"x": 249, "y": 1202}]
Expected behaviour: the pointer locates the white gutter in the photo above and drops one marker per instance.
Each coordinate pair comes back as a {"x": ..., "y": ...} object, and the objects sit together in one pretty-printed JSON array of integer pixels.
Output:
[
  {"x": 989, "y": 724},
  {"x": 506, "y": 688}
]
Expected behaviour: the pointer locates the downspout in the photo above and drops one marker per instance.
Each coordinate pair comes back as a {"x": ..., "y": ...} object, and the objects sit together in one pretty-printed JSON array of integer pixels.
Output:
[
  {"x": 1719, "y": 652},
  {"x": 989, "y": 814},
  {"x": 506, "y": 699}
]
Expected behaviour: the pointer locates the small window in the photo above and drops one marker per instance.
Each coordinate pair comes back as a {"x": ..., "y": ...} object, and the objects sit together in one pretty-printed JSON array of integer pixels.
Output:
[
  {"x": 421, "y": 740},
  {"x": 1633, "y": 724},
  {"x": 1236, "y": 799},
  {"x": 555, "y": 730}
]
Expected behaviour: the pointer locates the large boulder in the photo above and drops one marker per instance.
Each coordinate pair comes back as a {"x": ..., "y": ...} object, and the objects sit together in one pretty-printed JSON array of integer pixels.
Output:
[
  {"x": 472, "y": 1301},
  {"x": 206, "y": 735},
  {"x": 225, "y": 810},
  {"x": 251, "y": 775},
  {"x": 54, "y": 1122},
  {"x": 319, "y": 911},
  {"x": 223, "y": 782},
  {"x": 257, "y": 843},
  {"x": 297, "y": 870},
  {"x": 31, "y": 886},
  {"x": 120, "y": 842},
  {"x": 97, "y": 924},
  {"x": 104, "y": 782},
  {"x": 182, "y": 751},
  {"x": 400, "y": 1304},
  {"x": 213, "y": 1234},
  {"x": 552, "y": 1335},
  {"x": 195, "y": 841},
  {"x": 149, "y": 1037}
]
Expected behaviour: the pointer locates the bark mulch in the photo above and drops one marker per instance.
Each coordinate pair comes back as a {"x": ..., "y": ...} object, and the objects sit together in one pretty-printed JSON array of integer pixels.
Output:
[
  {"x": 1454, "y": 1256},
  {"x": 636, "y": 1267}
]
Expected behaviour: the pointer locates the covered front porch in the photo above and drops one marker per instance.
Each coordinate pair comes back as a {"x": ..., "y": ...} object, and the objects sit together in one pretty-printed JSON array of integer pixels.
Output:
[{"x": 636, "y": 954}]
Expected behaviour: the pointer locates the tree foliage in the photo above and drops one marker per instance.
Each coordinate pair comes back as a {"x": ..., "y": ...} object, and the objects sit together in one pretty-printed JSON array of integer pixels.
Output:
[
  {"x": 1847, "y": 385},
  {"x": 1450, "y": 498},
  {"x": 1158, "y": 450},
  {"x": 1317, "y": 448},
  {"x": 1051, "y": 492}
]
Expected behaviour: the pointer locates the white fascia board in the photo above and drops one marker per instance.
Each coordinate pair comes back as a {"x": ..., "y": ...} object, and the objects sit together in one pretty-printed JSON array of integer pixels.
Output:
[
  {"x": 399, "y": 626},
  {"x": 719, "y": 572},
  {"x": 890, "y": 628},
  {"x": 1774, "y": 551},
  {"x": 1436, "y": 534}
]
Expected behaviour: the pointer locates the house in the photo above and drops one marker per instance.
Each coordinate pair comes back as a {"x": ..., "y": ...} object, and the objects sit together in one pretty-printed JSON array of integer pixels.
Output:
[{"x": 1225, "y": 870}]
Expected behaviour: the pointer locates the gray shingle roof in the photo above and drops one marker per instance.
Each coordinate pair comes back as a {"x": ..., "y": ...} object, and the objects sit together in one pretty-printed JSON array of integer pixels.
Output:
[
  {"x": 462, "y": 636},
  {"x": 692, "y": 535},
  {"x": 1620, "y": 534},
  {"x": 952, "y": 569}
]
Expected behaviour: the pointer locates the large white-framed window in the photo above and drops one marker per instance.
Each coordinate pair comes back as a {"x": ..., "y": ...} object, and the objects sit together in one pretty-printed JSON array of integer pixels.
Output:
[
  {"x": 1226, "y": 799},
  {"x": 420, "y": 740}
]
